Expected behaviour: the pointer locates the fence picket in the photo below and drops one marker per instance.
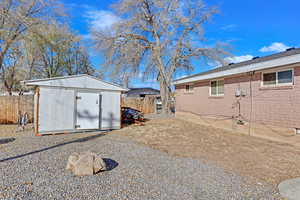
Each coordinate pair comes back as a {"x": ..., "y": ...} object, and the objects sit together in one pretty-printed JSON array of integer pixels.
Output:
[
  {"x": 146, "y": 105},
  {"x": 11, "y": 106}
]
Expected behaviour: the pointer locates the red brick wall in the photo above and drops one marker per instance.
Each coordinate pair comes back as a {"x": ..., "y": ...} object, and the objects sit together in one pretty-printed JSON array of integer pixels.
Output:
[{"x": 275, "y": 106}]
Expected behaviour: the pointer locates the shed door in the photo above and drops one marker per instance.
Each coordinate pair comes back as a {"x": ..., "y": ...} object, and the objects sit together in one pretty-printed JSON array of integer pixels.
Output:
[{"x": 88, "y": 110}]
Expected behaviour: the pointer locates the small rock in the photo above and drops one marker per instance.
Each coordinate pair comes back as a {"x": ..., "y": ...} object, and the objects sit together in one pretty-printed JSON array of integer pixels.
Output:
[{"x": 86, "y": 163}]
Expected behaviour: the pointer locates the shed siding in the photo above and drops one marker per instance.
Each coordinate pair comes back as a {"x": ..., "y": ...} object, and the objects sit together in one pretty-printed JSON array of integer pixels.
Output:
[
  {"x": 276, "y": 106},
  {"x": 56, "y": 109},
  {"x": 111, "y": 110}
]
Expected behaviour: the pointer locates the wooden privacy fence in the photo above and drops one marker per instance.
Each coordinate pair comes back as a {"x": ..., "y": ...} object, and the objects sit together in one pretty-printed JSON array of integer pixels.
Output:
[
  {"x": 147, "y": 105},
  {"x": 12, "y": 106}
]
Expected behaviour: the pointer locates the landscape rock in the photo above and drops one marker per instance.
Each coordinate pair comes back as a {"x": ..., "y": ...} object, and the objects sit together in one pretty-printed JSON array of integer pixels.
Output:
[
  {"x": 99, "y": 164},
  {"x": 85, "y": 164},
  {"x": 72, "y": 160}
]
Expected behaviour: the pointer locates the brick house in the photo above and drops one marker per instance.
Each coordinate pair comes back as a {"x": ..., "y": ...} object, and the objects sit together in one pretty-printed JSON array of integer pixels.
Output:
[{"x": 263, "y": 90}]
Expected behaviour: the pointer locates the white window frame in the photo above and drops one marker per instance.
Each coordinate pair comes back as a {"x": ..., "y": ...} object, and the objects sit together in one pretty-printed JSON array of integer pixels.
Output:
[
  {"x": 217, "y": 95},
  {"x": 191, "y": 85},
  {"x": 276, "y": 72}
]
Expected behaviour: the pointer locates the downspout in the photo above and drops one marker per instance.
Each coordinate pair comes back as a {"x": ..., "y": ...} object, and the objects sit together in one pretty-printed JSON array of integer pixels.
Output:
[{"x": 251, "y": 102}]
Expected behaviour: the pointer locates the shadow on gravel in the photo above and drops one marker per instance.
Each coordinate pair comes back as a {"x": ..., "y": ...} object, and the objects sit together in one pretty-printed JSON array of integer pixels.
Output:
[
  {"x": 7, "y": 140},
  {"x": 85, "y": 139},
  {"x": 110, "y": 164}
]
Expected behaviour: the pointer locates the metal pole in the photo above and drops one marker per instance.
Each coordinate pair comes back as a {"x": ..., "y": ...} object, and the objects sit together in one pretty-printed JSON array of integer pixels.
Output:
[{"x": 251, "y": 103}]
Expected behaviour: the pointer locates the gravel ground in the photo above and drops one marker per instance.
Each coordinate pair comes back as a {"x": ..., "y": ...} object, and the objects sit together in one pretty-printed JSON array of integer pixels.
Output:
[{"x": 34, "y": 168}]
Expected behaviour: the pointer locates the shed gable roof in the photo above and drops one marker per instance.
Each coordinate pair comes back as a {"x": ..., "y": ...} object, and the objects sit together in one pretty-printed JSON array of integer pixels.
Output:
[{"x": 77, "y": 81}]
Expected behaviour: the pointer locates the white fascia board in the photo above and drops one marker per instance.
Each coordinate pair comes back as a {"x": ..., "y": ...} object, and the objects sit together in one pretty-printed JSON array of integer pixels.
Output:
[
  {"x": 77, "y": 87},
  {"x": 76, "y": 81},
  {"x": 54, "y": 78},
  {"x": 243, "y": 69}
]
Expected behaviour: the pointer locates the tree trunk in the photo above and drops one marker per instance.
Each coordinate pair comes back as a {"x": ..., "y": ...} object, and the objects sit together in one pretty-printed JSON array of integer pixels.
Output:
[
  {"x": 1, "y": 62},
  {"x": 9, "y": 91},
  {"x": 8, "y": 88},
  {"x": 165, "y": 97}
]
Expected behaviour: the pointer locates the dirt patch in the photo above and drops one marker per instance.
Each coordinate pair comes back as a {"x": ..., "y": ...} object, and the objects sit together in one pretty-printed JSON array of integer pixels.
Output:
[
  {"x": 261, "y": 130},
  {"x": 249, "y": 156}
]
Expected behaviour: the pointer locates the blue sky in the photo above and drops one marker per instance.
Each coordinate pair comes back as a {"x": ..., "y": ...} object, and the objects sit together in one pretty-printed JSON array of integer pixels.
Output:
[{"x": 252, "y": 27}]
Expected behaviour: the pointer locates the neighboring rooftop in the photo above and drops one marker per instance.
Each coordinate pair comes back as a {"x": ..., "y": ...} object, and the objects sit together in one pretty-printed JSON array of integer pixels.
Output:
[
  {"x": 290, "y": 56},
  {"x": 141, "y": 92}
]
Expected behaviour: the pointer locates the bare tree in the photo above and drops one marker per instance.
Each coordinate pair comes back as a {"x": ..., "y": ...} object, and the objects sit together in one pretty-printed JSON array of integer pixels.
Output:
[
  {"x": 53, "y": 48},
  {"x": 77, "y": 60},
  {"x": 19, "y": 16},
  {"x": 56, "y": 52},
  {"x": 36, "y": 42},
  {"x": 30, "y": 55},
  {"x": 13, "y": 71},
  {"x": 159, "y": 37}
]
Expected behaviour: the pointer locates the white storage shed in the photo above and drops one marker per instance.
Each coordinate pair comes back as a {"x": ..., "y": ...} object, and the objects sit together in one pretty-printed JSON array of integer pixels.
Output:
[{"x": 75, "y": 103}]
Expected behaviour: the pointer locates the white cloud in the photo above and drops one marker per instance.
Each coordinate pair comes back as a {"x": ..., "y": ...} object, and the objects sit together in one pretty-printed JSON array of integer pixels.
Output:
[
  {"x": 232, "y": 59},
  {"x": 274, "y": 47},
  {"x": 101, "y": 19},
  {"x": 214, "y": 63},
  {"x": 237, "y": 59}
]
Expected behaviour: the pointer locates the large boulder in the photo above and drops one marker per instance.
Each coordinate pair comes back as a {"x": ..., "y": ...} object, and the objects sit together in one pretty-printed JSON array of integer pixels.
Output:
[{"x": 86, "y": 163}]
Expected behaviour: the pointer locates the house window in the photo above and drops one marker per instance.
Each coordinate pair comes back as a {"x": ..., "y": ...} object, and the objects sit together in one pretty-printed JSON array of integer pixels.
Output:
[
  {"x": 217, "y": 88},
  {"x": 189, "y": 88},
  {"x": 278, "y": 78},
  {"x": 269, "y": 78}
]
